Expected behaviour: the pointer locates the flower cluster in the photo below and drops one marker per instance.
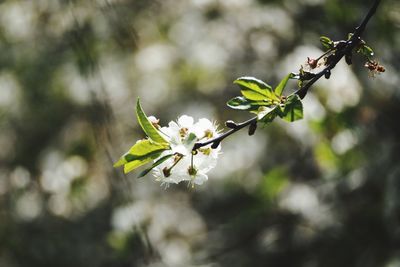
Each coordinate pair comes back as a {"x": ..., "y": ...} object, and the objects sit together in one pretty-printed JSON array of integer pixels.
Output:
[{"x": 186, "y": 164}]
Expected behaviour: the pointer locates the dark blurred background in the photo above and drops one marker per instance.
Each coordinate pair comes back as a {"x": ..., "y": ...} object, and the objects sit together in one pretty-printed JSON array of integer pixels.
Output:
[{"x": 323, "y": 191}]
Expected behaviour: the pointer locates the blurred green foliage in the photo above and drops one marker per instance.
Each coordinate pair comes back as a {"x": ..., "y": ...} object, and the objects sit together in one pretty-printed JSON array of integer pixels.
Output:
[{"x": 323, "y": 191}]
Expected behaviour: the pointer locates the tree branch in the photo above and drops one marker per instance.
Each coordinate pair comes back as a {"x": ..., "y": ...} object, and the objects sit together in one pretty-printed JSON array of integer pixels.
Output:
[
  {"x": 341, "y": 49},
  {"x": 217, "y": 140},
  {"x": 360, "y": 29},
  {"x": 340, "y": 53}
]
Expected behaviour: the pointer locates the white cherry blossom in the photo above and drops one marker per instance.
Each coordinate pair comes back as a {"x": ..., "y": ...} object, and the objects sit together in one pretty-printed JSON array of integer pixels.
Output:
[{"x": 186, "y": 164}]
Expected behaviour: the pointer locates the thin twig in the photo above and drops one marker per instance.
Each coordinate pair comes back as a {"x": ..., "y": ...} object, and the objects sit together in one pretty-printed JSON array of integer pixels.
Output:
[
  {"x": 340, "y": 52},
  {"x": 360, "y": 29},
  {"x": 221, "y": 137}
]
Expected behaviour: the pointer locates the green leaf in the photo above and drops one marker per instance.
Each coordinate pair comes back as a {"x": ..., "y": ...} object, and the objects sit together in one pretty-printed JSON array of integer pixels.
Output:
[
  {"x": 239, "y": 102},
  {"x": 326, "y": 42},
  {"x": 292, "y": 110},
  {"x": 155, "y": 164},
  {"x": 140, "y": 153},
  {"x": 120, "y": 162},
  {"x": 130, "y": 166},
  {"x": 268, "y": 118},
  {"x": 242, "y": 103},
  {"x": 349, "y": 36},
  {"x": 253, "y": 95},
  {"x": 266, "y": 103},
  {"x": 266, "y": 114},
  {"x": 257, "y": 86},
  {"x": 366, "y": 51},
  {"x": 281, "y": 86},
  {"x": 147, "y": 126},
  {"x": 252, "y": 84}
]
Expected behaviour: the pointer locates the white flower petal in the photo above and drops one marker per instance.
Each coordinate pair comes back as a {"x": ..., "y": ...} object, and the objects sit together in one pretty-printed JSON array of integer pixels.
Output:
[
  {"x": 200, "y": 178},
  {"x": 185, "y": 121},
  {"x": 204, "y": 127},
  {"x": 181, "y": 149},
  {"x": 206, "y": 158},
  {"x": 205, "y": 124},
  {"x": 153, "y": 119},
  {"x": 173, "y": 126}
]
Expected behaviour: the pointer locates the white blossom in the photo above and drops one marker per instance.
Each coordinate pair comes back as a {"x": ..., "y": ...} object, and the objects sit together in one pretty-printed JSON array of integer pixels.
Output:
[{"x": 186, "y": 164}]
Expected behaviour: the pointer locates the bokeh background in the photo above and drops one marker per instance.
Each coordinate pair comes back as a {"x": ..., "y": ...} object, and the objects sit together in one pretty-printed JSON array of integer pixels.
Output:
[{"x": 323, "y": 191}]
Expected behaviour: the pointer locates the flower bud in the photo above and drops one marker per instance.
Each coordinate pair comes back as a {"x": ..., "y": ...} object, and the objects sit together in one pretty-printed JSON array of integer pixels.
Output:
[
  {"x": 313, "y": 63},
  {"x": 231, "y": 124},
  {"x": 154, "y": 121},
  {"x": 167, "y": 172},
  {"x": 348, "y": 58},
  {"x": 215, "y": 145},
  {"x": 327, "y": 74},
  {"x": 252, "y": 128}
]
